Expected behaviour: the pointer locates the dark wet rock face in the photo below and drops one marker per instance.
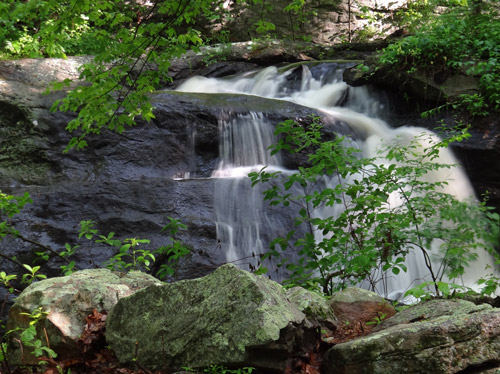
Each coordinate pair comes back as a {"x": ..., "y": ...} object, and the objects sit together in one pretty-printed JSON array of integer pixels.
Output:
[{"x": 128, "y": 184}]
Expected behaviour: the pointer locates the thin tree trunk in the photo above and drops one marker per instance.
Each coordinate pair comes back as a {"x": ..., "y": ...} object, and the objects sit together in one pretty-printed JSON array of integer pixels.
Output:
[{"x": 349, "y": 19}]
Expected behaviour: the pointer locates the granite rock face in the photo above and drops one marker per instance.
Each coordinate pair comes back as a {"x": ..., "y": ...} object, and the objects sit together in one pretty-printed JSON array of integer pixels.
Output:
[{"x": 322, "y": 22}]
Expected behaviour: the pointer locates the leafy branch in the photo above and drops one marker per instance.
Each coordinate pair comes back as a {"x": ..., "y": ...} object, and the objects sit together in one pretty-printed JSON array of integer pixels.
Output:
[{"x": 389, "y": 207}]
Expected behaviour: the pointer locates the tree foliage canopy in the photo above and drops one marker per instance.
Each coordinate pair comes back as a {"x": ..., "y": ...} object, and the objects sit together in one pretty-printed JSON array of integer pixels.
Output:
[
  {"x": 463, "y": 39},
  {"x": 134, "y": 41}
]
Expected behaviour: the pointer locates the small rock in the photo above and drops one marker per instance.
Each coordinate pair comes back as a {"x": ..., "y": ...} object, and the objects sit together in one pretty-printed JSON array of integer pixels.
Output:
[{"x": 359, "y": 311}]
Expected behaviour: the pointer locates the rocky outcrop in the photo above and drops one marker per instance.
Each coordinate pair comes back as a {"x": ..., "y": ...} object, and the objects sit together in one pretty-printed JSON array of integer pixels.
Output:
[
  {"x": 443, "y": 336},
  {"x": 322, "y": 22},
  {"x": 131, "y": 183},
  {"x": 67, "y": 301},
  {"x": 230, "y": 317},
  {"x": 417, "y": 84},
  {"x": 128, "y": 183}
]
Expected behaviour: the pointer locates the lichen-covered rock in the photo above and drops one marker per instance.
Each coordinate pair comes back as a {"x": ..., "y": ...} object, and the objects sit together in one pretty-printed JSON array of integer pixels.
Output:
[
  {"x": 456, "y": 341},
  {"x": 310, "y": 303},
  {"x": 229, "y": 317},
  {"x": 314, "y": 306},
  {"x": 68, "y": 300},
  {"x": 432, "y": 309}
]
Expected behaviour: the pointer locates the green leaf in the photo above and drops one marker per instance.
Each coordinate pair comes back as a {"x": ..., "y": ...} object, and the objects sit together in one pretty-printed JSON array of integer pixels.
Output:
[{"x": 444, "y": 288}]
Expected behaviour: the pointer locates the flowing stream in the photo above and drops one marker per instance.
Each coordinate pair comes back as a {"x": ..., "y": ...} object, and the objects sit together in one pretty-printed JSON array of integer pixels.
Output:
[{"x": 243, "y": 226}]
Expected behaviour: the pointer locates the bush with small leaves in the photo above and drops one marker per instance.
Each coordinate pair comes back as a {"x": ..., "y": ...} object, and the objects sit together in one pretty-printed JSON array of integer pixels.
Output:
[{"x": 371, "y": 236}]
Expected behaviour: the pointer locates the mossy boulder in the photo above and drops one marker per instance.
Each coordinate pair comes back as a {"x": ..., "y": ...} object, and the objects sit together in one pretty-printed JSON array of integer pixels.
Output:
[
  {"x": 436, "y": 337},
  {"x": 229, "y": 317},
  {"x": 68, "y": 300},
  {"x": 432, "y": 309},
  {"x": 313, "y": 305}
]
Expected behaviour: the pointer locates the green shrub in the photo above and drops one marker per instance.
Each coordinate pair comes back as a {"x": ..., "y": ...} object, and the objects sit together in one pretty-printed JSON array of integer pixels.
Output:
[
  {"x": 369, "y": 239},
  {"x": 465, "y": 39}
]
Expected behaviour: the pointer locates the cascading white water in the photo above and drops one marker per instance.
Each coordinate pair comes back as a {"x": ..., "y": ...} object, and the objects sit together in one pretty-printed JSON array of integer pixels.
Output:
[
  {"x": 239, "y": 209},
  {"x": 244, "y": 141},
  {"x": 378, "y": 134}
]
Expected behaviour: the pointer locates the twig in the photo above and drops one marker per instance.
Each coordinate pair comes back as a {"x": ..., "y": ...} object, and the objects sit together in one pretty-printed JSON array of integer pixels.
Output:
[
  {"x": 23, "y": 238},
  {"x": 12, "y": 260},
  {"x": 46, "y": 337}
]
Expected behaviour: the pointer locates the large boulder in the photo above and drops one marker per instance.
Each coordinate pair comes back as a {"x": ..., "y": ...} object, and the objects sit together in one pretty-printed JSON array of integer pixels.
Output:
[
  {"x": 443, "y": 336},
  {"x": 68, "y": 300},
  {"x": 230, "y": 317}
]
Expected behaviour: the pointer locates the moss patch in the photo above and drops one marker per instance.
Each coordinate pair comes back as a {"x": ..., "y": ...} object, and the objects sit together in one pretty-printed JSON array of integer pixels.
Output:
[{"x": 21, "y": 156}]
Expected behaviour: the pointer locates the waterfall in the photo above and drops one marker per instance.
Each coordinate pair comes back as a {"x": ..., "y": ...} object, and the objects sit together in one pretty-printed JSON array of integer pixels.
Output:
[
  {"x": 239, "y": 209},
  {"x": 244, "y": 139}
]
